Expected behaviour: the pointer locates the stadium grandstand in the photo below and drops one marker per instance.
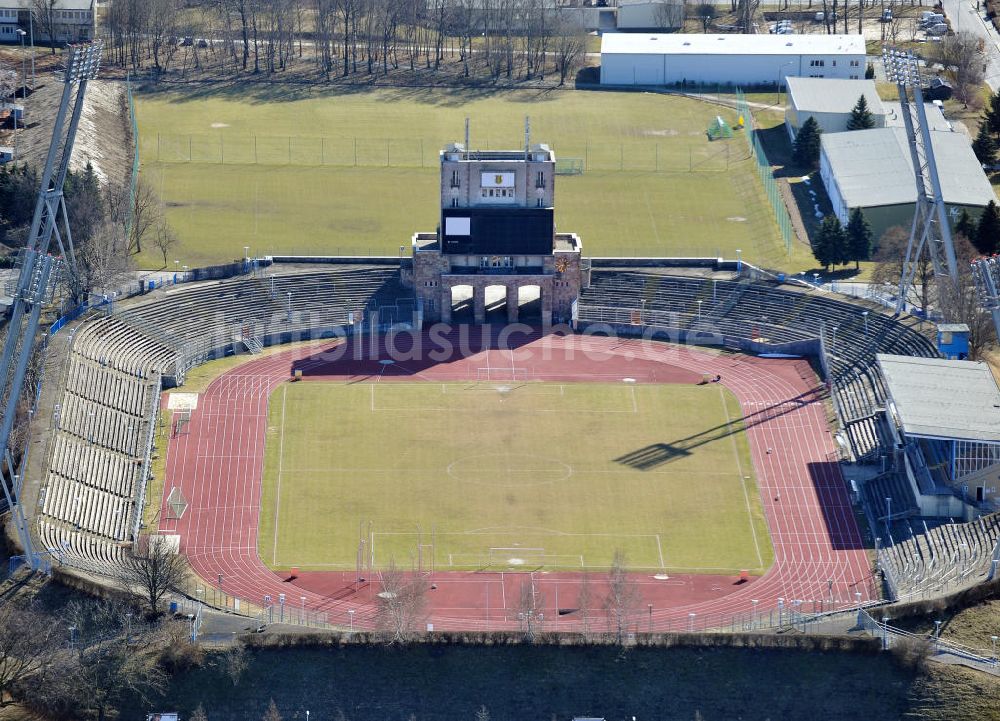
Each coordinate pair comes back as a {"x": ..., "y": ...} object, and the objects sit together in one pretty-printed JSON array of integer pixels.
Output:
[{"x": 90, "y": 462}]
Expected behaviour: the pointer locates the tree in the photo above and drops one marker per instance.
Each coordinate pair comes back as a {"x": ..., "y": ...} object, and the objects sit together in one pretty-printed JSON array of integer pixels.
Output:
[
  {"x": 859, "y": 237},
  {"x": 570, "y": 46},
  {"x": 861, "y": 117},
  {"x": 164, "y": 239},
  {"x": 806, "y": 147},
  {"x": 985, "y": 145},
  {"x": 961, "y": 54},
  {"x": 870, "y": 72},
  {"x": 114, "y": 652},
  {"x": 483, "y": 714},
  {"x": 43, "y": 13},
  {"x": 401, "y": 605},
  {"x": 991, "y": 116},
  {"x": 528, "y": 615},
  {"x": 623, "y": 596},
  {"x": 830, "y": 244},
  {"x": 888, "y": 269},
  {"x": 235, "y": 663},
  {"x": 272, "y": 713},
  {"x": 199, "y": 714},
  {"x": 965, "y": 225},
  {"x": 987, "y": 238},
  {"x": 963, "y": 302},
  {"x": 29, "y": 642},
  {"x": 151, "y": 570}
]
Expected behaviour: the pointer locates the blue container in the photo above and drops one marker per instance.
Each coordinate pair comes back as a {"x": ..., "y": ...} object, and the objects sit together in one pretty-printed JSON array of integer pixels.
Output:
[{"x": 173, "y": 607}]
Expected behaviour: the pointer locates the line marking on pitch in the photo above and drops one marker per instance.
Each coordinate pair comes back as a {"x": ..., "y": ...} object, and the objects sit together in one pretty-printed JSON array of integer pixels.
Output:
[
  {"x": 277, "y": 490},
  {"x": 743, "y": 485}
]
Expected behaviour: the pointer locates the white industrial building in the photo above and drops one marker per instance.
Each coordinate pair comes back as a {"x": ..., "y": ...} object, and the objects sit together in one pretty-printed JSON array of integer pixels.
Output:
[
  {"x": 71, "y": 21},
  {"x": 829, "y": 101},
  {"x": 872, "y": 170},
  {"x": 678, "y": 58}
]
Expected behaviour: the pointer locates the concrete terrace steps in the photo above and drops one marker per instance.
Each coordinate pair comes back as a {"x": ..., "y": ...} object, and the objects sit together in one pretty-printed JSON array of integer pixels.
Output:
[{"x": 92, "y": 471}]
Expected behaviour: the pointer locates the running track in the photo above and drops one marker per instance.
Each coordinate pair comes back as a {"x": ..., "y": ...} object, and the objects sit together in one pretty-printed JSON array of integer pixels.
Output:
[{"x": 817, "y": 545}]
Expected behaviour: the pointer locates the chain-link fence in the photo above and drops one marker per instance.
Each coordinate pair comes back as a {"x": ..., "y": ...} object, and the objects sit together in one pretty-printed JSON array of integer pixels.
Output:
[
  {"x": 669, "y": 155},
  {"x": 774, "y": 198}
]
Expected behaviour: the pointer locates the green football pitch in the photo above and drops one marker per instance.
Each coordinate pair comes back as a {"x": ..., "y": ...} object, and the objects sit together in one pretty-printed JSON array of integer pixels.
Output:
[
  {"x": 310, "y": 171},
  {"x": 462, "y": 476}
]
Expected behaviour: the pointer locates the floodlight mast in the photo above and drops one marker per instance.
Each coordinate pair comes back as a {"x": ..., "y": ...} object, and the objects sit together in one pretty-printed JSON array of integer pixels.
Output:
[
  {"x": 40, "y": 271},
  {"x": 931, "y": 229}
]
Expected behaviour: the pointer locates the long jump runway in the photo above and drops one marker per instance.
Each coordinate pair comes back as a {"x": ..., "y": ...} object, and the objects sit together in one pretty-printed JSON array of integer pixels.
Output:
[{"x": 819, "y": 556}]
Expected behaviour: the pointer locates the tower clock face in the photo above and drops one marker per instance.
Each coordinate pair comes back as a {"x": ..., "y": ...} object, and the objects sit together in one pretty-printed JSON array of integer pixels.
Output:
[{"x": 562, "y": 264}]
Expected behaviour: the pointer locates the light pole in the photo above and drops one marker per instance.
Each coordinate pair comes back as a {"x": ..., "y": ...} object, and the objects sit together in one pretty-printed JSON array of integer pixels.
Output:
[
  {"x": 833, "y": 342},
  {"x": 31, "y": 40},
  {"x": 888, "y": 514},
  {"x": 753, "y": 618},
  {"x": 778, "y": 84},
  {"x": 699, "y": 310},
  {"x": 302, "y": 619},
  {"x": 24, "y": 71},
  {"x": 994, "y": 640},
  {"x": 642, "y": 311},
  {"x": 650, "y": 607},
  {"x": 246, "y": 252},
  {"x": 691, "y": 622},
  {"x": 289, "y": 306},
  {"x": 739, "y": 260},
  {"x": 350, "y": 612}
]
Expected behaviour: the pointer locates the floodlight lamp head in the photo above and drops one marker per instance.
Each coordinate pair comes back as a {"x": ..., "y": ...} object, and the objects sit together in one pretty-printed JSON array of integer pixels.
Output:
[{"x": 83, "y": 61}]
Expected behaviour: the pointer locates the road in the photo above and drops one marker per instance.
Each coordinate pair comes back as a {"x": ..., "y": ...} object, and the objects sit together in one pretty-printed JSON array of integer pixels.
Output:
[{"x": 965, "y": 17}]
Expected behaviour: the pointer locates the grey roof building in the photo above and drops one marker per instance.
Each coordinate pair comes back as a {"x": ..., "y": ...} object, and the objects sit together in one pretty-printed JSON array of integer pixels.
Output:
[
  {"x": 937, "y": 398},
  {"x": 872, "y": 170},
  {"x": 830, "y": 101}
]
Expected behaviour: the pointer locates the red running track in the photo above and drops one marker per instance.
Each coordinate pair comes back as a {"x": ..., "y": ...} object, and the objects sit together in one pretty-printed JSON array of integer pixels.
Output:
[{"x": 819, "y": 556}]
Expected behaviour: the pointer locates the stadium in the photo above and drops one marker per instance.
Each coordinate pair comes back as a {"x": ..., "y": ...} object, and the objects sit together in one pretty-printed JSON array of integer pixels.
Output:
[{"x": 515, "y": 424}]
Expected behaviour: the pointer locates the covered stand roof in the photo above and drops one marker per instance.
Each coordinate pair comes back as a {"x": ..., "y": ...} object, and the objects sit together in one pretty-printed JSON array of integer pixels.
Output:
[
  {"x": 736, "y": 44},
  {"x": 943, "y": 398}
]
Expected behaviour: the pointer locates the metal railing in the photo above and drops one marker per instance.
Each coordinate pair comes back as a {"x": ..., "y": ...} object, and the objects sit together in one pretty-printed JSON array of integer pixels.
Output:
[{"x": 147, "y": 455}]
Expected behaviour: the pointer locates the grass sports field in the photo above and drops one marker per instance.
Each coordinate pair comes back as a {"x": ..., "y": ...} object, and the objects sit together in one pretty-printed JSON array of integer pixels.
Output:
[
  {"x": 519, "y": 476},
  {"x": 305, "y": 170}
]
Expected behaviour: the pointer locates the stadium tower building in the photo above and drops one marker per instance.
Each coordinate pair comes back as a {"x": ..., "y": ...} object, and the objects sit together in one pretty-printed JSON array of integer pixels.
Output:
[{"x": 497, "y": 234}]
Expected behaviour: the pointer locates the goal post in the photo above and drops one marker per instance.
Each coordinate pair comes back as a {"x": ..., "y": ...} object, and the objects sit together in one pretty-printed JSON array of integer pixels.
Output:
[
  {"x": 501, "y": 373},
  {"x": 516, "y": 557}
]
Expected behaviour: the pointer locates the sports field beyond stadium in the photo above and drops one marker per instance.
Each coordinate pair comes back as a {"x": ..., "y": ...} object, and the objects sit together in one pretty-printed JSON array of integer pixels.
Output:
[
  {"x": 310, "y": 170},
  {"x": 510, "y": 474}
]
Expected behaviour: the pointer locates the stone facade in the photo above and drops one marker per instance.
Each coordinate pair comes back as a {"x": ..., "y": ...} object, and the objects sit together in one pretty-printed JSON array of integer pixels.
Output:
[{"x": 518, "y": 183}]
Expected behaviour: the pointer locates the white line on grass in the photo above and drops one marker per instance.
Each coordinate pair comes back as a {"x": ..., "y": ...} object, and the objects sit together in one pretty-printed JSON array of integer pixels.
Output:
[
  {"x": 277, "y": 490},
  {"x": 743, "y": 485},
  {"x": 635, "y": 404}
]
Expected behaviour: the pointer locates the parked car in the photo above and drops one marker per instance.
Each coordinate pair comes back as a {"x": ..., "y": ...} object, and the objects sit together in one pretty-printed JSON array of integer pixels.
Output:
[
  {"x": 187, "y": 42},
  {"x": 939, "y": 29},
  {"x": 886, "y": 16},
  {"x": 937, "y": 89}
]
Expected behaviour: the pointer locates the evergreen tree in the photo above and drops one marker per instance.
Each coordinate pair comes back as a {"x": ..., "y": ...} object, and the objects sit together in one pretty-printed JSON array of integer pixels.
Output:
[
  {"x": 985, "y": 146},
  {"x": 272, "y": 713},
  {"x": 829, "y": 247},
  {"x": 861, "y": 117},
  {"x": 859, "y": 237},
  {"x": 991, "y": 118},
  {"x": 806, "y": 148},
  {"x": 965, "y": 225},
  {"x": 870, "y": 72},
  {"x": 987, "y": 240}
]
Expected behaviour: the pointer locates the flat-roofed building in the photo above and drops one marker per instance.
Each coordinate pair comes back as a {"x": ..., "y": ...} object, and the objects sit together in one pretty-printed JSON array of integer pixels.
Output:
[
  {"x": 747, "y": 60},
  {"x": 72, "y": 21},
  {"x": 829, "y": 101}
]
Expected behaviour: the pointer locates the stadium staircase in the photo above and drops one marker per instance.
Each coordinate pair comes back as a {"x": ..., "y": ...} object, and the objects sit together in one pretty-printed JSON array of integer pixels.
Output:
[{"x": 97, "y": 450}]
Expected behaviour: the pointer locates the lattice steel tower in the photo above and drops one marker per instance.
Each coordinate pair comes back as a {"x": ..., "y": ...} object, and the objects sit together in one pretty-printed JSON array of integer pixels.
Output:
[
  {"x": 930, "y": 231},
  {"x": 41, "y": 271}
]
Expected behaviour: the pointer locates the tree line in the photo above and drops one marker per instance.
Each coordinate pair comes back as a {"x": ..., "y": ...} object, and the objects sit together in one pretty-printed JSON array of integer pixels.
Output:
[{"x": 498, "y": 39}]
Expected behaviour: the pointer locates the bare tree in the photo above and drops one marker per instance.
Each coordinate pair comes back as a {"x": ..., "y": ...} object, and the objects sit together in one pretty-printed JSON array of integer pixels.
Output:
[
  {"x": 43, "y": 14},
  {"x": 888, "y": 268},
  {"x": 961, "y": 54},
  {"x": 584, "y": 601},
  {"x": 483, "y": 714},
  {"x": 529, "y": 603},
  {"x": 164, "y": 239},
  {"x": 152, "y": 570},
  {"x": 623, "y": 595},
  {"x": 235, "y": 663},
  {"x": 199, "y": 714},
  {"x": 8, "y": 82},
  {"x": 114, "y": 652},
  {"x": 272, "y": 713},
  {"x": 401, "y": 605},
  {"x": 29, "y": 642},
  {"x": 569, "y": 49}
]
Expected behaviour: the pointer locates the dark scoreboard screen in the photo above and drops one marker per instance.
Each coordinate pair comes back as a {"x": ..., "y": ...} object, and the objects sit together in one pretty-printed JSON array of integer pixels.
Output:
[{"x": 497, "y": 231}]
